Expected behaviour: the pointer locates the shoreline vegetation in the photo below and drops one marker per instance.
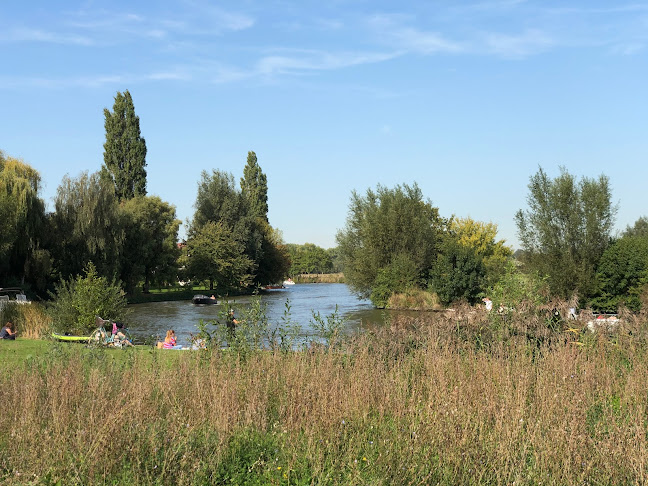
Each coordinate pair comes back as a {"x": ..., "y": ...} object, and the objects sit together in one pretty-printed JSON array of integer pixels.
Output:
[{"x": 467, "y": 397}]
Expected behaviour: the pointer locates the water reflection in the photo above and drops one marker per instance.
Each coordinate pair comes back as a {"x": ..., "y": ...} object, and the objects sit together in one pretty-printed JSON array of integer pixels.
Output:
[{"x": 304, "y": 299}]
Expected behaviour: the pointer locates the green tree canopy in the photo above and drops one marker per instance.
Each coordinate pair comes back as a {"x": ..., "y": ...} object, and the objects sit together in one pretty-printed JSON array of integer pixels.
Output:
[
  {"x": 254, "y": 188},
  {"x": 566, "y": 229},
  {"x": 458, "y": 272},
  {"x": 482, "y": 239},
  {"x": 87, "y": 226},
  {"x": 151, "y": 234},
  {"x": 622, "y": 274},
  {"x": 218, "y": 200},
  {"x": 384, "y": 225},
  {"x": 215, "y": 254},
  {"x": 309, "y": 258},
  {"x": 22, "y": 215},
  {"x": 125, "y": 149},
  {"x": 639, "y": 228}
]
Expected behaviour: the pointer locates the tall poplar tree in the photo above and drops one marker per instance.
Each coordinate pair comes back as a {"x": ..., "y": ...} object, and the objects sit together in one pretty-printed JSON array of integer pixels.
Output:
[
  {"x": 254, "y": 187},
  {"x": 125, "y": 149}
]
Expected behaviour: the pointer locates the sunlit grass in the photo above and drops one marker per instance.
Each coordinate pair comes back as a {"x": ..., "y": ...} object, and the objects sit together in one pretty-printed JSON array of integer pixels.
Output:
[{"x": 420, "y": 403}]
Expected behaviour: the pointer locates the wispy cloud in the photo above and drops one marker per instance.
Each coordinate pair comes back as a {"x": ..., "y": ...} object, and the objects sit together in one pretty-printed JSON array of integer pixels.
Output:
[
  {"x": 43, "y": 36},
  {"x": 518, "y": 46},
  {"x": 300, "y": 61}
]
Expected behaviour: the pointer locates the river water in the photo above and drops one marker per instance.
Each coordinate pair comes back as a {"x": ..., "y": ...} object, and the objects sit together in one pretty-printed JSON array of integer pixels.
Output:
[{"x": 153, "y": 319}]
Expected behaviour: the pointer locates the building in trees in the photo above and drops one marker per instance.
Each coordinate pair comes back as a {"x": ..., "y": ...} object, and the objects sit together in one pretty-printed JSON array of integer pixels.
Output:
[{"x": 125, "y": 149}]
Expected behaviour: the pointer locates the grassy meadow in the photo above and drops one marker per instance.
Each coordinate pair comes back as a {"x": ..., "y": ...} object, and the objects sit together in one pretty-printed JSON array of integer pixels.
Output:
[{"x": 455, "y": 398}]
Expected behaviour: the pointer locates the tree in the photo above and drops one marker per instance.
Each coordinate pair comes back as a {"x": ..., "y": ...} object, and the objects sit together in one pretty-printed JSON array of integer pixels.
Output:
[
  {"x": 254, "y": 188},
  {"x": 78, "y": 301},
  {"x": 22, "y": 217},
  {"x": 566, "y": 230},
  {"x": 214, "y": 253},
  {"x": 151, "y": 234},
  {"x": 125, "y": 149},
  {"x": 309, "y": 258},
  {"x": 640, "y": 228},
  {"x": 482, "y": 239},
  {"x": 622, "y": 274},
  {"x": 459, "y": 272},
  {"x": 87, "y": 226},
  {"x": 385, "y": 225},
  {"x": 217, "y": 201}
]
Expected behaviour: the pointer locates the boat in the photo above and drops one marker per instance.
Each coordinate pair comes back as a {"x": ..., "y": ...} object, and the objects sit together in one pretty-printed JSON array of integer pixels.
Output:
[
  {"x": 63, "y": 337},
  {"x": 204, "y": 300},
  {"x": 288, "y": 282},
  {"x": 273, "y": 287}
]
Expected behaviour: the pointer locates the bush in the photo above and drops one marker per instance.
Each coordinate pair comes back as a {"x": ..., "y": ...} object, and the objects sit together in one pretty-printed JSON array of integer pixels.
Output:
[{"x": 78, "y": 302}]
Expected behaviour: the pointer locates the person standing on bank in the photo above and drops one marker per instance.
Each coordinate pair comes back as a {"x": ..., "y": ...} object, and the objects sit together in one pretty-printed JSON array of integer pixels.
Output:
[{"x": 231, "y": 326}]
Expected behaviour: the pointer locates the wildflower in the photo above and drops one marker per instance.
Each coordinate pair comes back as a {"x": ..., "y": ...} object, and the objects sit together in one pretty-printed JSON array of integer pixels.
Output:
[
  {"x": 364, "y": 459},
  {"x": 278, "y": 468}
]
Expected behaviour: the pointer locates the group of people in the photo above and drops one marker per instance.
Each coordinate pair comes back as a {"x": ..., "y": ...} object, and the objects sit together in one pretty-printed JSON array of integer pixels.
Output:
[
  {"x": 170, "y": 340},
  {"x": 8, "y": 331}
]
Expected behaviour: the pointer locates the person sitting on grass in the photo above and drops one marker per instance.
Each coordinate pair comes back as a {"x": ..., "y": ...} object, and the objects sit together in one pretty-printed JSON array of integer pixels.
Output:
[
  {"x": 7, "y": 332},
  {"x": 169, "y": 340}
]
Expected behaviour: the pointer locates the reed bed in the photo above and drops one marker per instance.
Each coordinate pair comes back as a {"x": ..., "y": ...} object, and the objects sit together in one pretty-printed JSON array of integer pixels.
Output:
[{"x": 456, "y": 400}]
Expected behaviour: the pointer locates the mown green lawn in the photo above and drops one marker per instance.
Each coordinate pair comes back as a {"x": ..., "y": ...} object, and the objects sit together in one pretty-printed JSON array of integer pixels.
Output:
[{"x": 15, "y": 353}]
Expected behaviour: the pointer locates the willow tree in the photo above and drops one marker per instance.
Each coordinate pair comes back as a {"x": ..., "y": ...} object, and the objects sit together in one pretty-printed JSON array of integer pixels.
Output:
[
  {"x": 22, "y": 214},
  {"x": 390, "y": 241},
  {"x": 125, "y": 149},
  {"x": 566, "y": 230},
  {"x": 87, "y": 226}
]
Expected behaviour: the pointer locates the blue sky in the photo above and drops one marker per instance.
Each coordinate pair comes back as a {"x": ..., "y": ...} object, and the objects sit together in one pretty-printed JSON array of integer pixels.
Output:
[{"x": 467, "y": 99}]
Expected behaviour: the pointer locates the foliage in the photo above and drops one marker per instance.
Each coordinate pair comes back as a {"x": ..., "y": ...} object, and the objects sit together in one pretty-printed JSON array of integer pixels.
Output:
[
  {"x": 481, "y": 237},
  {"x": 253, "y": 331},
  {"x": 254, "y": 188},
  {"x": 399, "y": 276},
  {"x": 77, "y": 302},
  {"x": 566, "y": 230},
  {"x": 383, "y": 225},
  {"x": 309, "y": 258},
  {"x": 87, "y": 226},
  {"x": 622, "y": 274},
  {"x": 639, "y": 228},
  {"x": 150, "y": 249},
  {"x": 518, "y": 290},
  {"x": 125, "y": 149},
  {"x": 215, "y": 253},
  {"x": 329, "y": 328},
  {"x": 458, "y": 273},
  {"x": 217, "y": 201},
  {"x": 22, "y": 216}
]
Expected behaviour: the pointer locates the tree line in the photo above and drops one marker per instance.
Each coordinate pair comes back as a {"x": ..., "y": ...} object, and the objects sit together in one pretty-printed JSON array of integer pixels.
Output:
[
  {"x": 108, "y": 221},
  {"x": 395, "y": 241}
]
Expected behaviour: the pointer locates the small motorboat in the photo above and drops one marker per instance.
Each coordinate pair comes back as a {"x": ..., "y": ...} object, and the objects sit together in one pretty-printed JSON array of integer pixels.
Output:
[
  {"x": 204, "y": 300},
  {"x": 288, "y": 282}
]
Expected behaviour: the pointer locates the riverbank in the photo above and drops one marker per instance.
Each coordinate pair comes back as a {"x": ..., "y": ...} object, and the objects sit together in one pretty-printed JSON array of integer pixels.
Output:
[
  {"x": 459, "y": 399},
  {"x": 319, "y": 278}
]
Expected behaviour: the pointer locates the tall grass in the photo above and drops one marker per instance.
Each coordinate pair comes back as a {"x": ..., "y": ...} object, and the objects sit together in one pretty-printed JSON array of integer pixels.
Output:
[
  {"x": 31, "y": 320},
  {"x": 460, "y": 400}
]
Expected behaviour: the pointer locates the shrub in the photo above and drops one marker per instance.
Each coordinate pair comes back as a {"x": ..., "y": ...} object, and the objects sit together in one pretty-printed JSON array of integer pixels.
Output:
[{"x": 79, "y": 301}]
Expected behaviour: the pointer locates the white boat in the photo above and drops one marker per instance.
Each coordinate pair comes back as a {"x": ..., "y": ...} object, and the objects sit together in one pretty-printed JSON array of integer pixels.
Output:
[{"x": 288, "y": 282}]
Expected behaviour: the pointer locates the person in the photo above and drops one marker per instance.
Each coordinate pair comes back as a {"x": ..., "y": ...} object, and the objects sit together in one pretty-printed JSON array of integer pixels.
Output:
[
  {"x": 169, "y": 340},
  {"x": 231, "y": 325},
  {"x": 118, "y": 335},
  {"x": 488, "y": 303},
  {"x": 7, "y": 332}
]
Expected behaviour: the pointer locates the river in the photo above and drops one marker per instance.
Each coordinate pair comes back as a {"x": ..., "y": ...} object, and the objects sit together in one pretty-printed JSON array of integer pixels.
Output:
[{"x": 153, "y": 319}]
